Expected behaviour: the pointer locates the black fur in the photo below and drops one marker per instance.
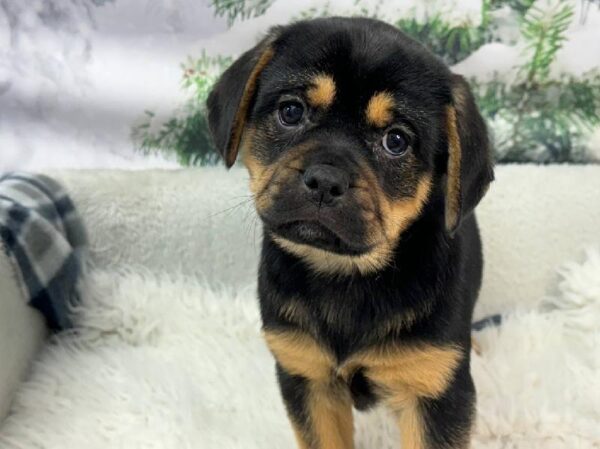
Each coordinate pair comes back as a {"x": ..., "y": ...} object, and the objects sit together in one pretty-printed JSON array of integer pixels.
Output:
[{"x": 434, "y": 273}]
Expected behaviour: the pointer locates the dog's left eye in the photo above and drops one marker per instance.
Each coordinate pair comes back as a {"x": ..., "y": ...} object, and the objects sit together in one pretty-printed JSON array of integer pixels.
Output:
[
  {"x": 291, "y": 112},
  {"x": 395, "y": 142}
]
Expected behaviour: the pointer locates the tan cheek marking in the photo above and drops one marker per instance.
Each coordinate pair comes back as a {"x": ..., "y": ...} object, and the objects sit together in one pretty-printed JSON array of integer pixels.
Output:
[
  {"x": 266, "y": 180},
  {"x": 300, "y": 354},
  {"x": 322, "y": 91},
  {"x": 397, "y": 215},
  {"x": 454, "y": 159},
  {"x": 259, "y": 173},
  {"x": 260, "y": 177},
  {"x": 379, "y": 109}
]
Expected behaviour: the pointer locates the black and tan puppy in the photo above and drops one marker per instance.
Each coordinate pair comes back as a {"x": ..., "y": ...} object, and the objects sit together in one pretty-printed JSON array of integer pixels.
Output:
[{"x": 366, "y": 158}]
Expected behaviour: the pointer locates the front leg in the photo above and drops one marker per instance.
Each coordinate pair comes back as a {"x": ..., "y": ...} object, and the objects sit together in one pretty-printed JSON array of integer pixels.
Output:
[
  {"x": 443, "y": 422},
  {"x": 319, "y": 404},
  {"x": 429, "y": 388},
  {"x": 320, "y": 413}
]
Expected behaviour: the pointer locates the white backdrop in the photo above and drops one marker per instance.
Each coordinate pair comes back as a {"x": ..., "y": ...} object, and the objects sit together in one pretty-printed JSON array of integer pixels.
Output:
[{"x": 75, "y": 77}]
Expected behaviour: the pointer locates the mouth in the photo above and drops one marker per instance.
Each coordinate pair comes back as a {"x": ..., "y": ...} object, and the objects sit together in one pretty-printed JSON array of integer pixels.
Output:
[{"x": 315, "y": 234}]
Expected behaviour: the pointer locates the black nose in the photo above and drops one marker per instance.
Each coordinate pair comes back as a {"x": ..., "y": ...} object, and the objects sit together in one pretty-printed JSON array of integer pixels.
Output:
[{"x": 325, "y": 183}]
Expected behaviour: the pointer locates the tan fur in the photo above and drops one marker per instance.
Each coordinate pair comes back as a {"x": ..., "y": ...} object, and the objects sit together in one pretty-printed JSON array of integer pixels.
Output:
[
  {"x": 266, "y": 180},
  {"x": 402, "y": 374},
  {"x": 326, "y": 262},
  {"x": 399, "y": 214},
  {"x": 379, "y": 109},
  {"x": 422, "y": 371},
  {"x": 454, "y": 161},
  {"x": 301, "y": 355},
  {"x": 412, "y": 430},
  {"x": 330, "y": 420},
  {"x": 260, "y": 178},
  {"x": 406, "y": 375},
  {"x": 330, "y": 411},
  {"x": 239, "y": 121},
  {"x": 322, "y": 91},
  {"x": 328, "y": 401}
]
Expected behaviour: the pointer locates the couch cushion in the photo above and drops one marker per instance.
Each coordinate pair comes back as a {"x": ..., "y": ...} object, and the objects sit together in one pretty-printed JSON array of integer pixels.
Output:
[
  {"x": 202, "y": 221},
  {"x": 22, "y": 331}
]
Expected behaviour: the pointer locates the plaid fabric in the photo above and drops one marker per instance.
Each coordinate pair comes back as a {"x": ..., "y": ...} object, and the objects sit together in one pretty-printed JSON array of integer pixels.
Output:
[{"x": 43, "y": 237}]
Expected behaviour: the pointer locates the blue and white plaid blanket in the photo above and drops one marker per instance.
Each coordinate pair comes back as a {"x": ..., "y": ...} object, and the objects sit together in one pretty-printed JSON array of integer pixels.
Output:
[{"x": 43, "y": 236}]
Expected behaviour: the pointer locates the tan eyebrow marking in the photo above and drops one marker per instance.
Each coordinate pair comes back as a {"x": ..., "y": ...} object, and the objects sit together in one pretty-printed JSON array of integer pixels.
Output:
[
  {"x": 379, "y": 109},
  {"x": 322, "y": 91}
]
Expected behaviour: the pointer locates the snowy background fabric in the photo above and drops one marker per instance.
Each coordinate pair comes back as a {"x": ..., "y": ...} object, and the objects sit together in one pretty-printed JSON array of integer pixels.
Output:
[{"x": 76, "y": 75}]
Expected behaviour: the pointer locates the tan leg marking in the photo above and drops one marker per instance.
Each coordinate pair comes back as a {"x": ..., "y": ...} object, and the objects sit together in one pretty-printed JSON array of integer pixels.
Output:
[
  {"x": 329, "y": 404},
  {"x": 412, "y": 430},
  {"x": 404, "y": 375},
  {"x": 330, "y": 411}
]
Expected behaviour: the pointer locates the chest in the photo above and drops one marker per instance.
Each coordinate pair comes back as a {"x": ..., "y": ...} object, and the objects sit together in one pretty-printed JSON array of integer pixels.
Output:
[{"x": 344, "y": 321}]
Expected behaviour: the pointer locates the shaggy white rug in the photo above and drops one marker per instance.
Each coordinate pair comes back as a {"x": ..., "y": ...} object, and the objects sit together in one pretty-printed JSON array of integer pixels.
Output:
[{"x": 165, "y": 363}]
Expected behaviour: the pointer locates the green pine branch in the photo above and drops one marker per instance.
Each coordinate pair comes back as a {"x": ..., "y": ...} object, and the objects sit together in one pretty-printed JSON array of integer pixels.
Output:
[
  {"x": 544, "y": 30},
  {"x": 240, "y": 9}
]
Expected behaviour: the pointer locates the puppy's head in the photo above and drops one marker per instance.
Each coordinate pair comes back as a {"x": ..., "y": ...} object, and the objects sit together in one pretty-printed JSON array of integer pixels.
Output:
[{"x": 348, "y": 129}]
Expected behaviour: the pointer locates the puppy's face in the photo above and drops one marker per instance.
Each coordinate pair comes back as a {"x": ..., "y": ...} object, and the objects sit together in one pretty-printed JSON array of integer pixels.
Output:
[{"x": 342, "y": 124}]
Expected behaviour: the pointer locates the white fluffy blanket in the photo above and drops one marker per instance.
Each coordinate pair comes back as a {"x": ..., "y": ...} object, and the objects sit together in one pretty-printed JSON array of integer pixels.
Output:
[{"x": 166, "y": 363}]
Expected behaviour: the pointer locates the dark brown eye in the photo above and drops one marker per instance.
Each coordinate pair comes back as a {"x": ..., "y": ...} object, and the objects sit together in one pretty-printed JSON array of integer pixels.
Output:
[
  {"x": 291, "y": 112},
  {"x": 395, "y": 142}
]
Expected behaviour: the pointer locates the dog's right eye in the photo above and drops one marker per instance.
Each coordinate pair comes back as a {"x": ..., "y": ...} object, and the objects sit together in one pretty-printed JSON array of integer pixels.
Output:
[{"x": 291, "y": 112}]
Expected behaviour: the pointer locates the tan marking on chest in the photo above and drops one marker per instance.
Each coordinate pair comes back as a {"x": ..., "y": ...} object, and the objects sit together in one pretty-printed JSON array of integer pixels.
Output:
[
  {"x": 301, "y": 355},
  {"x": 399, "y": 214},
  {"x": 406, "y": 373},
  {"x": 418, "y": 371}
]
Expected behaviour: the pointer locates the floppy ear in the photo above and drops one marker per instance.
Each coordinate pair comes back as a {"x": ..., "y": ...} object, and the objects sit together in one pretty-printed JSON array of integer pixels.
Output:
[
  {"x": 231, "y": 98},
  {"x": 469, "y": 169}
]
